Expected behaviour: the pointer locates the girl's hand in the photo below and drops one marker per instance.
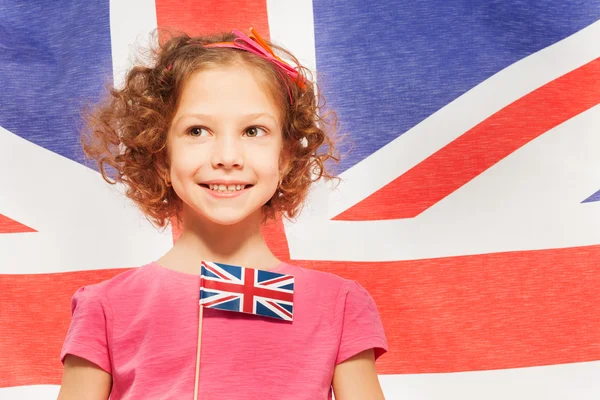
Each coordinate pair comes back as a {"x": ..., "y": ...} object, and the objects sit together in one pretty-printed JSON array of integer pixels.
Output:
[{"x": 356, "y": 378}]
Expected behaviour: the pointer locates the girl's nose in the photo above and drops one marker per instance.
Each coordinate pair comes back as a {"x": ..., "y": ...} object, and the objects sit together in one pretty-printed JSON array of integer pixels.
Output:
[{"x": 227, "y": 152}]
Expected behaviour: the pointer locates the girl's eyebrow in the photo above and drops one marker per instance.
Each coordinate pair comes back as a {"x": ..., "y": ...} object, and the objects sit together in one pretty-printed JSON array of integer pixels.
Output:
[
  {"x": 251, "y": 116},
  {"x": 261, "y": 115}
]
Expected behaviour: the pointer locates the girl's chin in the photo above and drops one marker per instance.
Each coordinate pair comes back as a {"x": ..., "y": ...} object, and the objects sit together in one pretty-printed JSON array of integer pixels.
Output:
[{"x": 225, "y": 216}]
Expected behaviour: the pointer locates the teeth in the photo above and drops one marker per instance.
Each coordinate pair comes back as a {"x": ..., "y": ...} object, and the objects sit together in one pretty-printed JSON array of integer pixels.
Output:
[{"x": 228, "y": 188}]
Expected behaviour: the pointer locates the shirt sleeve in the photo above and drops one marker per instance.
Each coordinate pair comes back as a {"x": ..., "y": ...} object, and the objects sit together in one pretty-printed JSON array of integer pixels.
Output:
[
  {"x": 87, "y": 336},
  {"x": 361, "y": 324}
]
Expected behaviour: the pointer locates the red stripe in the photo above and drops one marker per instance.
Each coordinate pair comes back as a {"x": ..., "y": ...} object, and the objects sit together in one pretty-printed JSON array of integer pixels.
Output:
[
  {"x": 274, "y": 234},
  {"x": 34, "y": 319},
  {"x": 8, "y": 225},
  {"x": 209, "y": 16},
  {"x": 222, "y": 300},
  {"x": 452, "y": 314},
  {"x": 214, "y": 271},
  {"x": 249, "y": 291},
  {"x": 275, "y": 280},
  {"x": 492, "y": 311},
  {"x": 481, "y": 147},
  {"x": 281, "y": 309}
]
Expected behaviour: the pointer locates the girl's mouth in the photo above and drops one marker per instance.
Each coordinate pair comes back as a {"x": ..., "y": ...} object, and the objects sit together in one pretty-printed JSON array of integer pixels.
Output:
[{"x": 222, "y": 188}]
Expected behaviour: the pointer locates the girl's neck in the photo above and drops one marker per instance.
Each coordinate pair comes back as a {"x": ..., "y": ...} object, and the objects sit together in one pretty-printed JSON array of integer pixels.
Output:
[{"x": 239, "y": 244}]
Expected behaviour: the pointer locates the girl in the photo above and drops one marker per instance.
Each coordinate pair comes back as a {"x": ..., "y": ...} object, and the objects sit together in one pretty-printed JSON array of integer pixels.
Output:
[{"x": 219, "y": 134}]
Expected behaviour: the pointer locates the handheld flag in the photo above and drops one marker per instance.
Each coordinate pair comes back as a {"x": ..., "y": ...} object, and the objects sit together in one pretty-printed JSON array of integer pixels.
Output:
[{"x": 234, "y": 288}]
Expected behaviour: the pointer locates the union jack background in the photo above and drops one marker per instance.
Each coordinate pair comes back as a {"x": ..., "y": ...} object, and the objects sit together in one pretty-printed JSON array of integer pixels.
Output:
[
  {"x": 469, "y": 205},
  {"x": 234, "y": 288}
]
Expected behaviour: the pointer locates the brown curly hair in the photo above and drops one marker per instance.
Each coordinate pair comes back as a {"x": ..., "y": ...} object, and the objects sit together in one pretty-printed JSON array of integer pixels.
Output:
[{"x": 126, "y": 134}]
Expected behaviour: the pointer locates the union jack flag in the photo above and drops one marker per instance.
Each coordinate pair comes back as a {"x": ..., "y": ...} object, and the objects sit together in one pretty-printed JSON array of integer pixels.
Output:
[{"x": 234, "y": 288}]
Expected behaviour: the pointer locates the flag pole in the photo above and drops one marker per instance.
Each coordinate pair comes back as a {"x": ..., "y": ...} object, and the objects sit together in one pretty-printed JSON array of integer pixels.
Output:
[
  {"x": 199, "y": 346},
  {"x": 201, "y": 309}
]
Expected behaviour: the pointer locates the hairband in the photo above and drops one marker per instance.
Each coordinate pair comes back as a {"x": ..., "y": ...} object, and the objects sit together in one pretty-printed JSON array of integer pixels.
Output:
[{"x": 257, "y": 45}]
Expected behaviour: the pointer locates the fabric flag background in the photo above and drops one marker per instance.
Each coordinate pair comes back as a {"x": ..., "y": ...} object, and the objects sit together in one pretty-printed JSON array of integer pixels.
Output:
[{"x": 470, "y": 201}]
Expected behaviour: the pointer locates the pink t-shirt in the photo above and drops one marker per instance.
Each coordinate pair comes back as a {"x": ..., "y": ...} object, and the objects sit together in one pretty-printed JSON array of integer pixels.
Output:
[{"x": 141, "y": 326}]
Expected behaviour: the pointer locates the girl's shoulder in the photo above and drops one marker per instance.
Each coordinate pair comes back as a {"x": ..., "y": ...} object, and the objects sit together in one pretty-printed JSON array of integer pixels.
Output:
[
  {"x": 345, "y": 304},
  {"x": 326, "y": 284},
  {"x": 129, "y": 276},
  {"x": 125, "y": 283}
]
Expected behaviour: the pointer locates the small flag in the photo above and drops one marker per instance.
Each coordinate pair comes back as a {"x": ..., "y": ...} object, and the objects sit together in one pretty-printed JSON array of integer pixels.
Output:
[{"x": 252, "y": 291}]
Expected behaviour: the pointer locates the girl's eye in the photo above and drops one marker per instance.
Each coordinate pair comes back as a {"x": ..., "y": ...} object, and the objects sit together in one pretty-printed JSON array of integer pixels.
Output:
[
  {"x": 197, "y": 131},
  {"x": 255, "y": 131}
]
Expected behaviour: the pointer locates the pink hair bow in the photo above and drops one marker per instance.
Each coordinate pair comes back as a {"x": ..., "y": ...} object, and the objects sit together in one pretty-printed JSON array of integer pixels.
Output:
[{"x": 257, "y": 45}]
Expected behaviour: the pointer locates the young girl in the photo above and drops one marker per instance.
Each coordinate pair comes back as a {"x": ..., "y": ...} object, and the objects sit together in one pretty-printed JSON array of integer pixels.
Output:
[{"x": 221, "y": 135}]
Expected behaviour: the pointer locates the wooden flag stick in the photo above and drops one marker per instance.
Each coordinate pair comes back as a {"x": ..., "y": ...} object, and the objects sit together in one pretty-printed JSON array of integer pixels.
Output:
[{"x": 201, "y": 309}]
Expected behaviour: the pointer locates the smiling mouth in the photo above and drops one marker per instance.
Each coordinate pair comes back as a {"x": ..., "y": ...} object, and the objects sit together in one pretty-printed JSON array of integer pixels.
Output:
[{"x": 225, "y": 188}]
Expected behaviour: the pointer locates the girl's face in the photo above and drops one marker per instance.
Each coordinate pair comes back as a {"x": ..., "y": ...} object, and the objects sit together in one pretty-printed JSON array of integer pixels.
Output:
[{"x": 224, "y": 145}]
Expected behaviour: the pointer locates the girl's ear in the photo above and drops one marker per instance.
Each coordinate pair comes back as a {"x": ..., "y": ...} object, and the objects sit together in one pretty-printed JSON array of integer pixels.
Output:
[
  {"x": 284, "y": 164},
  {"x": 163, "y": 169}
]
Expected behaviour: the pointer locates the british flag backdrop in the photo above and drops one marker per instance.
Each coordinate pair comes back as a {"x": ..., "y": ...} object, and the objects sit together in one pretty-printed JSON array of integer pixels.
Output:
[{"x": 469, "y": 205}]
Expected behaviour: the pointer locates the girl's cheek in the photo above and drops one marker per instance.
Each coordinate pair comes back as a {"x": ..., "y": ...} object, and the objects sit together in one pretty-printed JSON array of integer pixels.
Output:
[
  {"x": 194, "y": 153},
  {"x": 267, "y": 159}
]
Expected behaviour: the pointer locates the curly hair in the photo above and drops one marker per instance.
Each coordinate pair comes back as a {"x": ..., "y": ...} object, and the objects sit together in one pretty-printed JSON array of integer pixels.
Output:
[{"x": 126, "y": 134}]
